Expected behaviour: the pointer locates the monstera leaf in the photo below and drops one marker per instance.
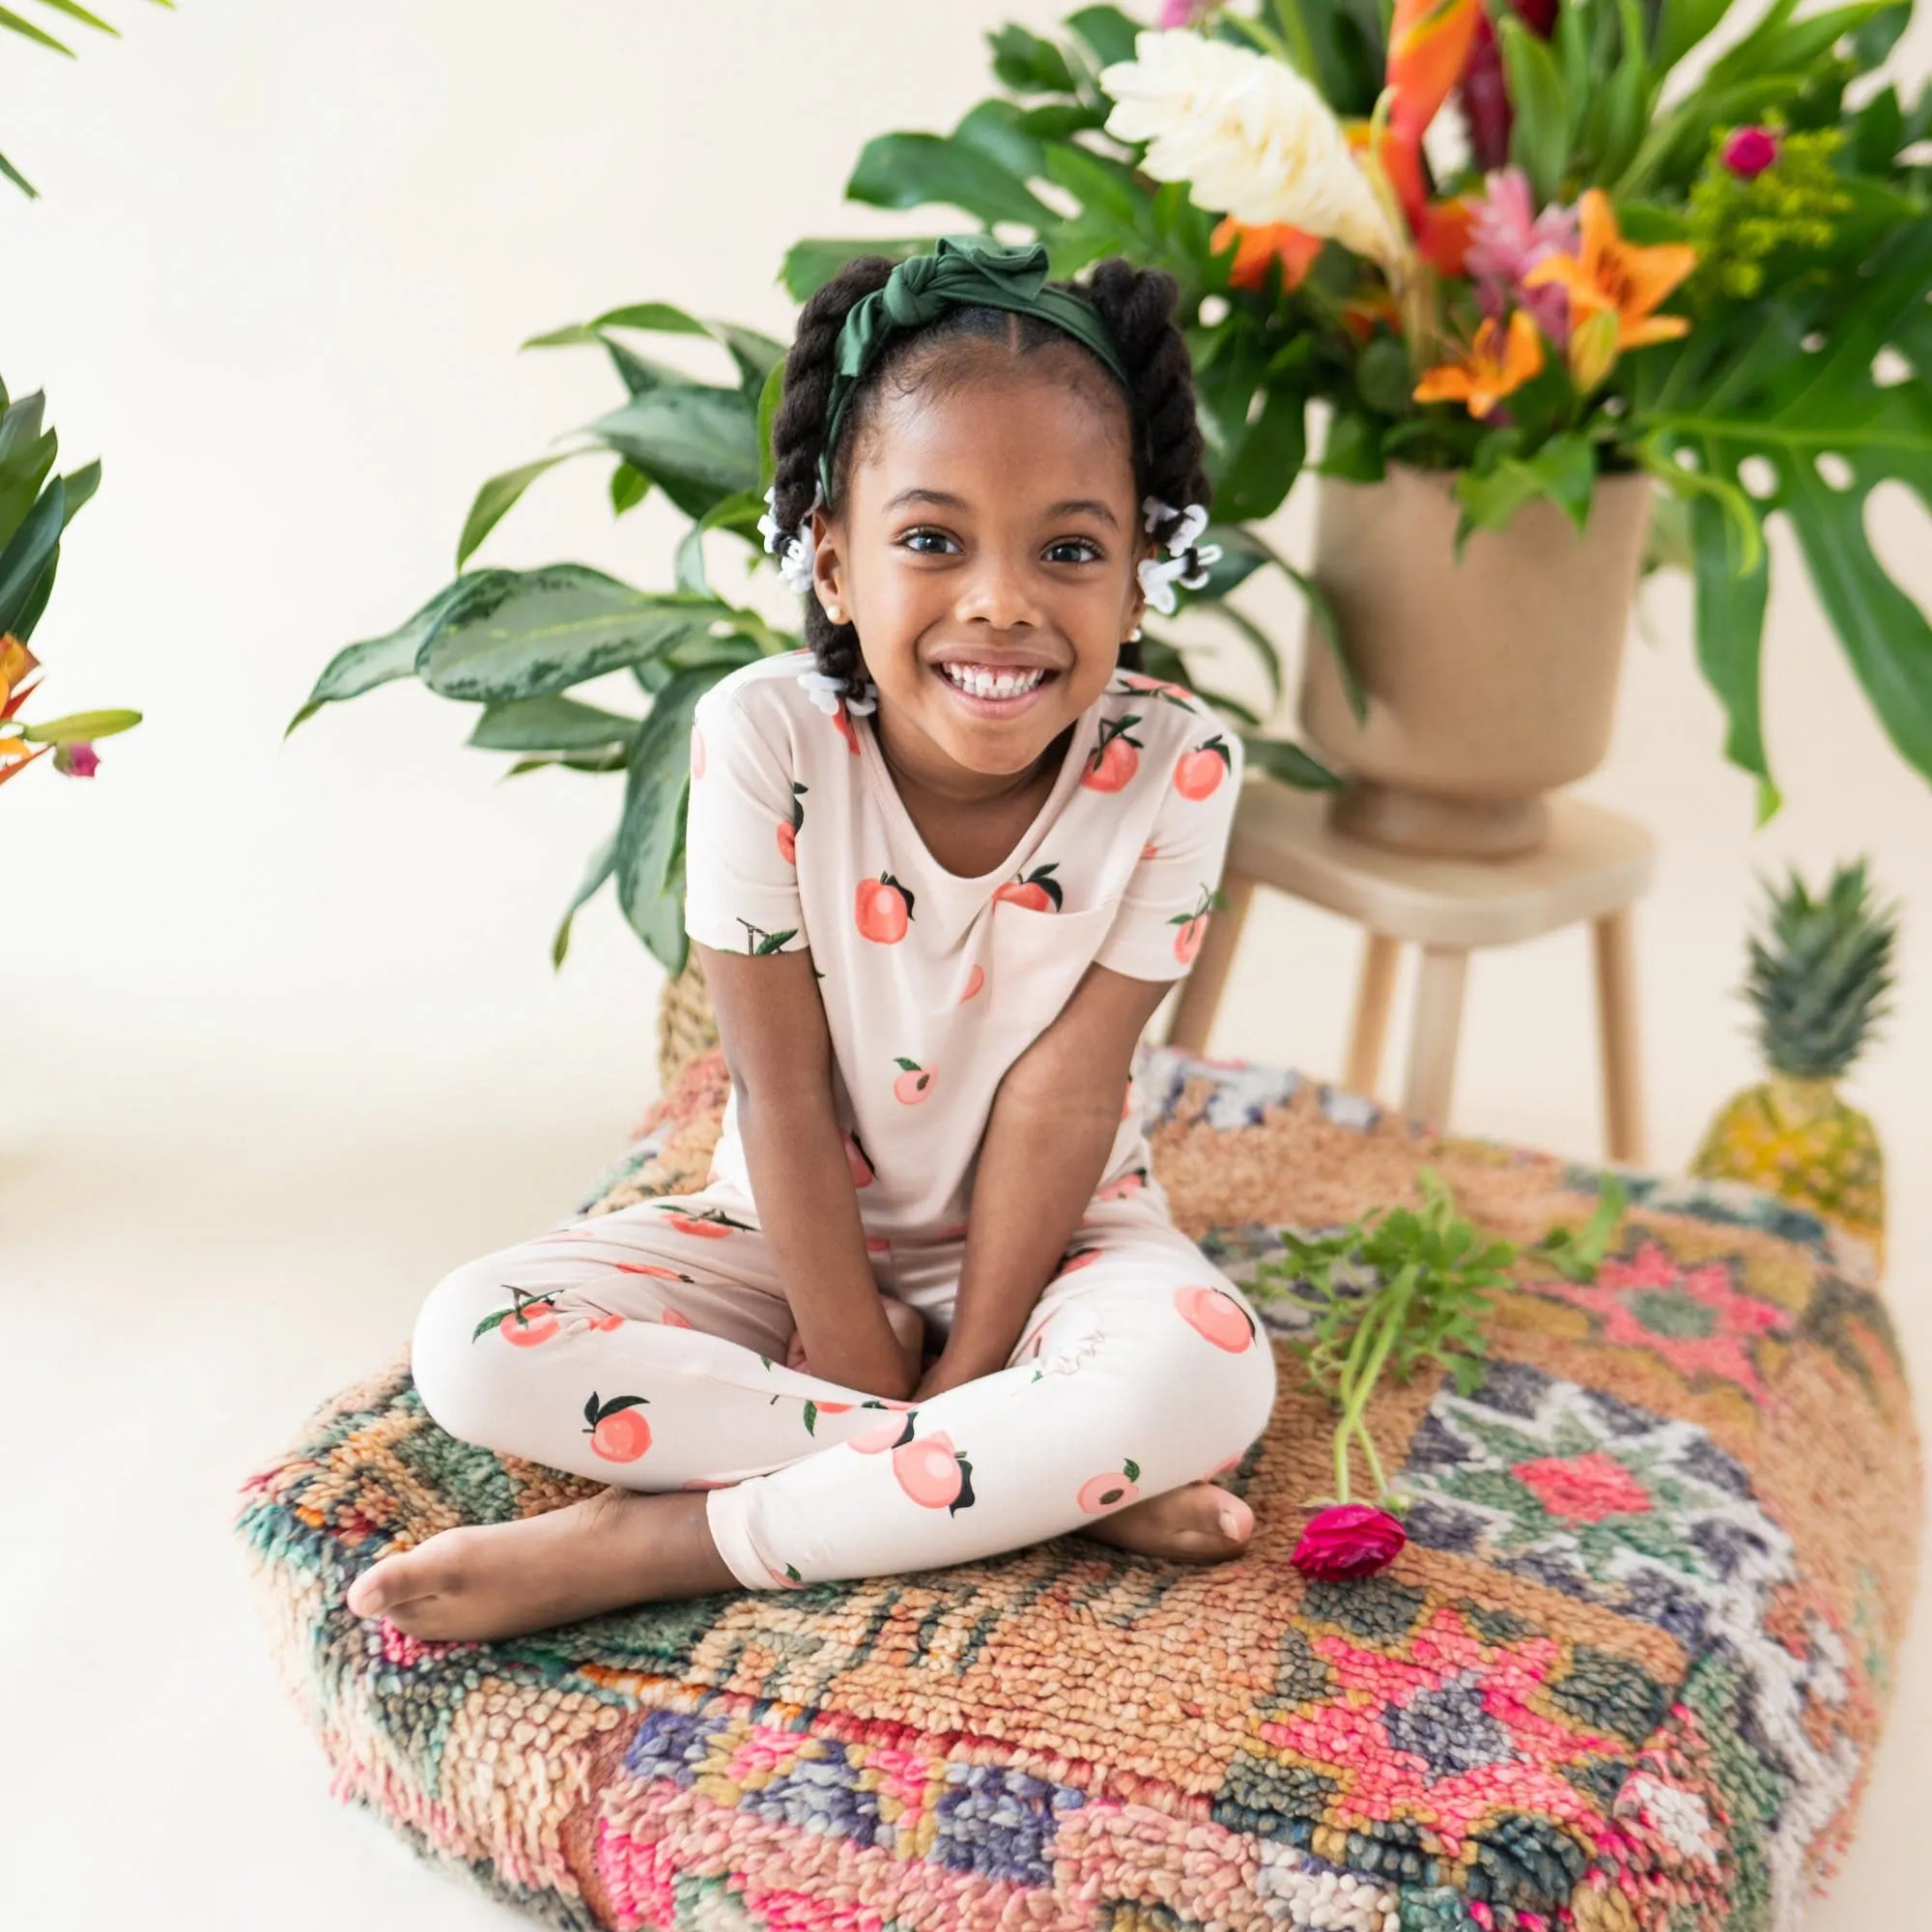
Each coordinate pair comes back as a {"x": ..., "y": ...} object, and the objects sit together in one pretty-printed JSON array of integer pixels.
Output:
[{"x": 1797, "y": 390}]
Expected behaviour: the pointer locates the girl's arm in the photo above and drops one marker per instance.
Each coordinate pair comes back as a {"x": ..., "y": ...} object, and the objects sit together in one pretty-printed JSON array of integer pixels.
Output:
[
  {"x": 771, "y": 1024},
  {"x": 1041, "y": 1157}
]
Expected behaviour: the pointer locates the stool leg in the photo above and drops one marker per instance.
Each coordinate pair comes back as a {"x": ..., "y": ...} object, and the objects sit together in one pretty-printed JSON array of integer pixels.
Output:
[
  {"x": 1201, "y": 991},
  {"x": 1616, "y": 1017},
  {"x": 1438, "y": 1020},
  {"x": 1370, "y": 1030}
]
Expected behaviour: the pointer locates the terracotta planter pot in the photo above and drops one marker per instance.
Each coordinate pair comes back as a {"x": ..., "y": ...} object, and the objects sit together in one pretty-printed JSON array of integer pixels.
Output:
[{"x": 1489, "y": 681}]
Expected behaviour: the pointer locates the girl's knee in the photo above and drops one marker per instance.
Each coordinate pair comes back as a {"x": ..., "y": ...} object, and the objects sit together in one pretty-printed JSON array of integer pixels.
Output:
[{"x": 458, "y": 1375}]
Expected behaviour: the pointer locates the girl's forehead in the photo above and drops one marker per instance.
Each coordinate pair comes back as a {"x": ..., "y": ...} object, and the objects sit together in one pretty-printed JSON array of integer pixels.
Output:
[{"x": 1018, "y": 425}]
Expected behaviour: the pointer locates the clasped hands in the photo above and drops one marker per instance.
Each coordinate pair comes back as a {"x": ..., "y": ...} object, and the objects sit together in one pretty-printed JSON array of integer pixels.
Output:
[{"x": 915, "y": 1372}]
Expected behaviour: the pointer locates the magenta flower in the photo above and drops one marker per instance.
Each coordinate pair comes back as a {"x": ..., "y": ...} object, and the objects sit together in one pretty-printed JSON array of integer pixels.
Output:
[
  {"x": 1507, "y": 238},
  {"x": 1182, "y": 13},
  {"x": 1349, "y": 1540},
  {"x": 77, "y": 761},
  {"x": 1749, "y": 151}
]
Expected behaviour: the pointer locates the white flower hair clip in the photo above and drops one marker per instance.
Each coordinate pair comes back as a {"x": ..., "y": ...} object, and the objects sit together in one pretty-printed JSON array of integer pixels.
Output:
[
  {"x": 827, "y": 692},
  {"x": 1184, "y": 564},
  {"x": 793, "y": 549}
]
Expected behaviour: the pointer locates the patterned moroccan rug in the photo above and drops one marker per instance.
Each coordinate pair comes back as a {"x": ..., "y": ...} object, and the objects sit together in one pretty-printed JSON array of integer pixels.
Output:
[{"x": 1628, "y": 1676}]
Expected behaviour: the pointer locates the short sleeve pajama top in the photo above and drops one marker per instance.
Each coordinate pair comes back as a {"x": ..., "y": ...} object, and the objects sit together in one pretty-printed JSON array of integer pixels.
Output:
[{"x": 933, "y": 984}]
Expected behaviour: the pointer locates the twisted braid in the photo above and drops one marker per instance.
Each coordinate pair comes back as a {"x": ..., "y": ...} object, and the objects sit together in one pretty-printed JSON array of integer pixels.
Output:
[
  {"x": 798, "y": 437},
  {"x": 1137, "y": 306}
]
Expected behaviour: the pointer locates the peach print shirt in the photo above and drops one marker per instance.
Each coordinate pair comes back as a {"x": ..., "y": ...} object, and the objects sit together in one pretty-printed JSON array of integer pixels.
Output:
[{"x": 933, "y": 984}]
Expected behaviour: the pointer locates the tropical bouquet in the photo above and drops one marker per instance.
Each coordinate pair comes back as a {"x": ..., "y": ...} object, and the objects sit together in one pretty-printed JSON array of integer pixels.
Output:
[
  {"x": 1514, "y": 243},
  {"x": 36, "y": 507}
]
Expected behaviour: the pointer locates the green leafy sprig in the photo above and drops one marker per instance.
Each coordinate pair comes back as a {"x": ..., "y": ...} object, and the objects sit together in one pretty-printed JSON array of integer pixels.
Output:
[{"x": 1398, "y": 1290}]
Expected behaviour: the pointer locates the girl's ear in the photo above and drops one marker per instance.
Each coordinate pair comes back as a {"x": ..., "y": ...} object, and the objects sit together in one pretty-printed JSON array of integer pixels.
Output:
[{"x": 827, "y": 563}]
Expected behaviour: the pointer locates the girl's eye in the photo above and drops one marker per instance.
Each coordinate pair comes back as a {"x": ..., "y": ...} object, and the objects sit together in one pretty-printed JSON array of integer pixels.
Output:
[
  {"x": 1089, "y": 549},
  {"x": 917, "y": 540}
]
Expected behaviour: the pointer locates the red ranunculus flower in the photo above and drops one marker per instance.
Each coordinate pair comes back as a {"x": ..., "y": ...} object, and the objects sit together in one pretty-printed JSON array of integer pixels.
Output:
[
  {"x": 1350, "y": 1540},
  {"x": 1749, "y": 151}
]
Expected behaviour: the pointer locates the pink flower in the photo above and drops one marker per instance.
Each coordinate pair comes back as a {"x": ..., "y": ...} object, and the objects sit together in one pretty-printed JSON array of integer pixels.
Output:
[
  {"x": 1350, "y": 1540},
  {"x": 77, "y": 761},
  {"x": 1507, "y": 238},
  {"x": 1182, "y": 13},
  {"x": 1749, "y": 151}
]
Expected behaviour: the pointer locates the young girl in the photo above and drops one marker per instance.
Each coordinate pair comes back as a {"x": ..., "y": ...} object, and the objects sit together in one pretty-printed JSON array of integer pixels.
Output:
[{"x": 941, "y": 868}]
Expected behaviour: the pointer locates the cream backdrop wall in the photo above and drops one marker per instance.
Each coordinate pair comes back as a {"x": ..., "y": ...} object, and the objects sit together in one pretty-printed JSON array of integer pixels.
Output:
[{"x": 279, "y": 1037}]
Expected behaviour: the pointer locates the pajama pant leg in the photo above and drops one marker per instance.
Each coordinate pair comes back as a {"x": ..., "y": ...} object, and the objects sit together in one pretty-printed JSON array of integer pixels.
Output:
[{"x": 1141, "y": 1368}]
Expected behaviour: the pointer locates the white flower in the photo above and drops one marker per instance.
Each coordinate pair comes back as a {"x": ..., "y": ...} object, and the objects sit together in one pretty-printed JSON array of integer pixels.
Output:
[{"x": 1249, "y": 136}]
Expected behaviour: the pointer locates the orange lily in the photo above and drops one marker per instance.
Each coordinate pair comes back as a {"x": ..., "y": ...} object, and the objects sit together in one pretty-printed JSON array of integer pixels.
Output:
[
  {"x": 1609, "y": 275},
  {"x": 1491, "y": 367},
  {"x": 1257, "y": 245}
]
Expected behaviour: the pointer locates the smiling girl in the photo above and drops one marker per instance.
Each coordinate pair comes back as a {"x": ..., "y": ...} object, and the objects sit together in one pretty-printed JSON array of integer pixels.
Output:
[{"x": 941, "y": 866}]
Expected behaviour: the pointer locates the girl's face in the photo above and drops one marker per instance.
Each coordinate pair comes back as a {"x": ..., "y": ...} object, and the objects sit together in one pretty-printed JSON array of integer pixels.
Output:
[{"x": 990, "y": 524}]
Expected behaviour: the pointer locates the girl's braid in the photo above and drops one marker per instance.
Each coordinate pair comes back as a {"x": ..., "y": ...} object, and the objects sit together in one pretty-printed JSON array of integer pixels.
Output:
[
  {"x": 1137, "y": 306},
  {"x": 798, "y": 437}
]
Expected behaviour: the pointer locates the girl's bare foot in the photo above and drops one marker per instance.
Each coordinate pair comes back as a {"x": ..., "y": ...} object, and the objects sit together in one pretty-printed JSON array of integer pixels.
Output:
[
  {"x": 906, "y": 1323},
  {"x": 1199, "y": 1523},
  {"x": 485, "y": 1580}
]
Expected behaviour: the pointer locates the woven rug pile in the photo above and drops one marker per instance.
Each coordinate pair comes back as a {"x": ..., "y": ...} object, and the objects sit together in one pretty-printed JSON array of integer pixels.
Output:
[{"x": 1628, "y": 1676}]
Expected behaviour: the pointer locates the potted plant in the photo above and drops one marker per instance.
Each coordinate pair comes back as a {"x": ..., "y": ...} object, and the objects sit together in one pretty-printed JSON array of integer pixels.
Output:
[
  {"x": 1626, "y": 287},
  {"x": 36, "y": 507}
]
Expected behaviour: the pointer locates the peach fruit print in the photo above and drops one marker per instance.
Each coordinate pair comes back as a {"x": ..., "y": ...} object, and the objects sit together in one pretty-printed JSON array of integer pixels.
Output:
[
  {"x": 1199, "y": 772},
  {"x": 1193, "y": 927},
  {"x": 1035, "y": 890},
  {"x": 855, "y": 1157},
  {"x": 883, "y": 909},
  {"x": 789, "y": 829},
  {"x": 713, "y": 1224},
  {"x": 531, "y": 1320},
  {"x": 915, "y": 1084},
  {"x": 842, "y": 718},
  {"x": 1116, "y": 758},
  {"x": 1111, "y": 1490},
  {"x": 1217, "y": 1316},
  {"x": 618, "y": 1432},
  {"x": 975, "y": 980},
  {"x": 1119, "y": 1189},
  {"x": 933, "y": 1474}
]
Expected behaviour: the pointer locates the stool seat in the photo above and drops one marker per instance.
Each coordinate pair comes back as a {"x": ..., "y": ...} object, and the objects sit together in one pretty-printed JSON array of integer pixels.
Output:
[
  {"x": 1594, "y": 862},
  {"x": 1593, "y": 865}
]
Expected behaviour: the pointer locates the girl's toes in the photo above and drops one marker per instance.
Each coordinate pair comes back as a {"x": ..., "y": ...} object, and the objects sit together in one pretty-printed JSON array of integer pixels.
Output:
[
  {"x": 394, "y": 1579},
  {"x": 1236, "y": 1518}
]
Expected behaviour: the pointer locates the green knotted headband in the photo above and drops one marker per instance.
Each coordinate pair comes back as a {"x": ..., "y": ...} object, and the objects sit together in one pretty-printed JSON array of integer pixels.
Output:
[{"x": 961, "y": 270}]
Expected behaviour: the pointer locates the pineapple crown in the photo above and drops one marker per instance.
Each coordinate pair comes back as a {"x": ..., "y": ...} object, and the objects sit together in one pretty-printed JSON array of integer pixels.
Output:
[{"x": 1818, "y": 973}]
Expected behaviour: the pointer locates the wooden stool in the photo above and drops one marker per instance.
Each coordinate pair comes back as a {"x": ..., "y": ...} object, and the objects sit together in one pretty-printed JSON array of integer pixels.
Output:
[{"x": 1594, "y": 865}]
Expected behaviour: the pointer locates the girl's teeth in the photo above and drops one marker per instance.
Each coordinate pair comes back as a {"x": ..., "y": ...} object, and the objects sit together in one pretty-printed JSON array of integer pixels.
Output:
[{"x": 981, "y": 684}]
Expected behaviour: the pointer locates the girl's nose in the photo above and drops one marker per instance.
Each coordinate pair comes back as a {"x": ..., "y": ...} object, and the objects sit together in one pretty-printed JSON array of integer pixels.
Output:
[{"x": 999, "y": 594}]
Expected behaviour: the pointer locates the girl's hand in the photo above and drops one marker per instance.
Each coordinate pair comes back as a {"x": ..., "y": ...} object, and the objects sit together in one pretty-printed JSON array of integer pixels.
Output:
[{"x": 950, "y": 1372}]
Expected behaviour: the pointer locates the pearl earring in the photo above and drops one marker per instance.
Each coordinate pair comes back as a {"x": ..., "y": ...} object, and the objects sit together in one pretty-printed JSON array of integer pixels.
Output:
[{"x": 1134, "y": 636}]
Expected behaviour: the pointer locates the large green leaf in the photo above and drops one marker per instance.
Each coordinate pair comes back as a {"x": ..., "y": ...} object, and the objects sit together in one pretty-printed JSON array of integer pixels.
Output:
[
  {"x": 362, "y": 667},
  {"x": 1107, "y": 32},
  {"x": 740, "y": 512},
  {"x": 703, "y": 438},
  {"x": 1759, "y": 392},
  {"x": 498, "y": 496},
  {"x": 552, "y": 723},
  {"x": 652, "y": 827},
  {"x": 1730, "y": 634},
  {"x": 542, "y": 631},
  {"x": 910, "y": 170},
  {"x": 603, "y": 861},
  {"x": 29, "y": 554},
  {"x": 1262, "y": 471},
  {"x": 1026, "y": 64},
  {"x": 1281, "y": 759},
  {"x": 1541, "y": 131}
]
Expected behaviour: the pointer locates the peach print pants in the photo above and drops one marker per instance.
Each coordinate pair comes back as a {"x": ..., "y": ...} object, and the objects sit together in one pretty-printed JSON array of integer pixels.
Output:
[{"x": 645, "y": 1348}]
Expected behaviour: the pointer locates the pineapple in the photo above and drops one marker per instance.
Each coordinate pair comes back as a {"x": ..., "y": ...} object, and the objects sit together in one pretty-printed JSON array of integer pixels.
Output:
[{"x": 1816, "y": 979}]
